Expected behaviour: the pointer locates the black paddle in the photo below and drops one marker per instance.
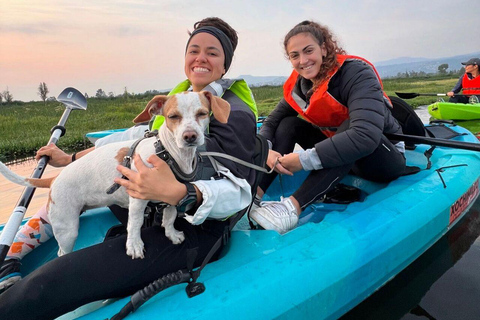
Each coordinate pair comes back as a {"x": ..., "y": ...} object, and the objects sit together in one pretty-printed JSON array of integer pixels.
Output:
[
  {"x": 72, "y": 99},
  {"x": 434, "y": 141},
  {"x": 411, "y": 95}
]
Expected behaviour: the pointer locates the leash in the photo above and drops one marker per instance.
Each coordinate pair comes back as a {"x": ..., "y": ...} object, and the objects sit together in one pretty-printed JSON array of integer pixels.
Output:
[{"x": 240, "y": 161}]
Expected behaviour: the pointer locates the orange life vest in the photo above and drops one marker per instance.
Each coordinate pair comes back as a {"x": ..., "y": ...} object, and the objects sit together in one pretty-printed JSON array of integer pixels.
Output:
[
  {"x": 323, "y": 109},
  {"x": 470, "y": 86}
]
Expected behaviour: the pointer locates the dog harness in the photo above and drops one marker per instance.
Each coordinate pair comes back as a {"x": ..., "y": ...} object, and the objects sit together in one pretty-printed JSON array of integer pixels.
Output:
[{"x": 163, "y": 154}]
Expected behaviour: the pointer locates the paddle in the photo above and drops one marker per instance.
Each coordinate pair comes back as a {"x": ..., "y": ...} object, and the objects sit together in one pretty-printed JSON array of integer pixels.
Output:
[
  {"x": 435, "y": 141},
  {"x": 72, "y": 99},
  {"x": 411, "y": 95}
]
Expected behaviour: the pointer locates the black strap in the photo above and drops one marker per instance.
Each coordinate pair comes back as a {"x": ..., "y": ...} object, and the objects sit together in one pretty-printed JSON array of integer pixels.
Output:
[{"x": 127, "y": 161}]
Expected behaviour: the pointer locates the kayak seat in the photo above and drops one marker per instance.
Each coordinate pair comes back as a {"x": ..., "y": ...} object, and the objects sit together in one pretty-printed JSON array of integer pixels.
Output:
[
  {"x": 408, "y": 119},
  {"x": 440, "y": 130}
]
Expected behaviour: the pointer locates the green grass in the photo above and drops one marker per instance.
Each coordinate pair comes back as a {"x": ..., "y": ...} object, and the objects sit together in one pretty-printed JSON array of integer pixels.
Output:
[{"x": 25, "y": 127}]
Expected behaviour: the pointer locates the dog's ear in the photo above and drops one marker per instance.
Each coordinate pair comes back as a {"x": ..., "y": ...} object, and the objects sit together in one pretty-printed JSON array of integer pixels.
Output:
[
  {"x": 219, "y": 107},
  {"x": 154, "y": 107}
]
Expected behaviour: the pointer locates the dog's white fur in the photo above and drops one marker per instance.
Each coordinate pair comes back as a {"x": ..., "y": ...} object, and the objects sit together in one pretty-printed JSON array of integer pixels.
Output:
[{"x": 82, "y": 185}]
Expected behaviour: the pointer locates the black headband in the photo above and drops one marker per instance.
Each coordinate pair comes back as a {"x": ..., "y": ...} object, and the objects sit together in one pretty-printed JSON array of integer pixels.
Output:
[{"x": 224, "y": 41}]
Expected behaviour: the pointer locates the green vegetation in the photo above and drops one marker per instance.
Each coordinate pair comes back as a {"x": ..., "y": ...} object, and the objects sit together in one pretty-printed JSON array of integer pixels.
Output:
[
  {"x": 420, "y": 85},
  {"x": 24, "y": 127}
]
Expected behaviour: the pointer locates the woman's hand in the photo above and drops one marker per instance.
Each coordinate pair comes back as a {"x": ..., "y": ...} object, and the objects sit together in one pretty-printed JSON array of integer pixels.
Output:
[
  {"x": 58, "y": 158},
  {"x": 291, "y": 162},
  {"x": 272, "y": 162},
  {"x": 157, "y": 183},
  {"x": 450, "y": 94}
]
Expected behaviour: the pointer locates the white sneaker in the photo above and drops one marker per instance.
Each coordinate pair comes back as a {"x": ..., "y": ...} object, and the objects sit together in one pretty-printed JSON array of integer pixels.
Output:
[{"x": 280, "y": 216}]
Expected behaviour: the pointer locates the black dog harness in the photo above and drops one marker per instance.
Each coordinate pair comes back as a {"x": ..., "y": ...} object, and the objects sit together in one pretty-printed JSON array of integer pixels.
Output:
[{"x": 163, "y": 154}]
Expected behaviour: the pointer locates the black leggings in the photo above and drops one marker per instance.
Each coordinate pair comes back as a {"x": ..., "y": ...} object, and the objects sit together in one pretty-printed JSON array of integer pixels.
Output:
[
  {"x": 104, "y": 271},
  {"x": 461, "y": 99},
  {"x": 385, "y": 164}
]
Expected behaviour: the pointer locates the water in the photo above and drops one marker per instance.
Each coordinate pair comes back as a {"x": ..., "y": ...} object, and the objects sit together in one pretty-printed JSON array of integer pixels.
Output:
[{"x": 443, "y": 284}]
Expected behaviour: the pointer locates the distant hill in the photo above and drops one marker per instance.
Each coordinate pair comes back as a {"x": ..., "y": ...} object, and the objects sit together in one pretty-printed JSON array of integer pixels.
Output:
[
  {"x": 401, "y": 60},
  {"x": 386, "y": 68},
  {"x": 391, "y": 68},
  {"x": 258, "y": 81}
]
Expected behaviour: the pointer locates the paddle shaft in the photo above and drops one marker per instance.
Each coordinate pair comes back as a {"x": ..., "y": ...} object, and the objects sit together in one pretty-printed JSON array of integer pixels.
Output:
[
  {"x": 15, "y": 220},
  {"x": 435, "y": 141},
  {"x": 411, "y": 95}
]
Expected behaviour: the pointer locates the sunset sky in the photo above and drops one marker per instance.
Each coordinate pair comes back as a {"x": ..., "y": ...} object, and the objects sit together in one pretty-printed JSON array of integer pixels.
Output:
[{"x": 140, "y": 44}]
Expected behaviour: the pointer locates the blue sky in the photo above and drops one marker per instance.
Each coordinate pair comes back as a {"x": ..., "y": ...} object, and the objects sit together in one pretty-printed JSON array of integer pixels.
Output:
[{"x": 140, "y": 44}]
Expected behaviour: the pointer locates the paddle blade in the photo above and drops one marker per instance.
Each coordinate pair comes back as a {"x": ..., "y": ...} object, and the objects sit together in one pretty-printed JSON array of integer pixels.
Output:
[
  {"x": 73, "y": 99},
  {"x": 405, "y": 95}
]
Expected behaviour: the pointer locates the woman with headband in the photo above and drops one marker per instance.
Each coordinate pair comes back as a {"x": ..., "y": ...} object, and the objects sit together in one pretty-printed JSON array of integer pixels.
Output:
[{"x": 104, "y": 271}]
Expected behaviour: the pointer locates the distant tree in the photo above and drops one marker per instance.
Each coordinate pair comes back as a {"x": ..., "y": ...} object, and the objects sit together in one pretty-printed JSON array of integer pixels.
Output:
[
  {"x": 442, "y": 69},
  {"x": 43, "y": 91},
  {"x": 1, "y": 98},
  {"x": 52, "y": 99},
  {"x": 7, "y": 96},
  {"x": 111, "y": 95},
  {"x": 86, "y": 95},
  {"x": 125, "y": 94},
  {"x": 100, "y": 94}
]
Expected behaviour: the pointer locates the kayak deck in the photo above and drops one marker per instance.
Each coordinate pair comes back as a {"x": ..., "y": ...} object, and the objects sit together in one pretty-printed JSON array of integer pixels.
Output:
[{"x": 337, "y": 257}]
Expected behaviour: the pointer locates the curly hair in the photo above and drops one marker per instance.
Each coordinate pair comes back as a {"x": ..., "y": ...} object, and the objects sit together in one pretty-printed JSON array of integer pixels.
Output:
[
  {"x": 219, "y": 24},
  {"x": 323, "y": 36}
]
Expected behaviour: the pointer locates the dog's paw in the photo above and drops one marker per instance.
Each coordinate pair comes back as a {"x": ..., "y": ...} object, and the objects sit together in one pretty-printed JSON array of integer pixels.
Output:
[
  {"x": 135, "y": 248},
  {"x": 175, "y": 236}
]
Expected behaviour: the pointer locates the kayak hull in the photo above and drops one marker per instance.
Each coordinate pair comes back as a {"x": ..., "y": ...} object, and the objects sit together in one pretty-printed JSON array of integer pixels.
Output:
[
  {"x": 338, "y": 256},
  {"x": 454, "y": 111}
]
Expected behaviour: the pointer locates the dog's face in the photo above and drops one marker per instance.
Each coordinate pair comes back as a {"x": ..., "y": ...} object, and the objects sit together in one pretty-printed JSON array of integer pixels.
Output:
[{"x": 187, "y": 115}]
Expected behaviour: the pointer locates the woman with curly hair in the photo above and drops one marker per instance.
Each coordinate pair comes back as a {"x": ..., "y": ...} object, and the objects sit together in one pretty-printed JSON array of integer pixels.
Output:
[{"x": 344, "y": 114}]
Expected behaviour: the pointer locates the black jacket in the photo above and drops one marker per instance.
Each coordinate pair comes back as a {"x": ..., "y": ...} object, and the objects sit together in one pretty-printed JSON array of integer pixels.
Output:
[{"x": 355, "y": 86}]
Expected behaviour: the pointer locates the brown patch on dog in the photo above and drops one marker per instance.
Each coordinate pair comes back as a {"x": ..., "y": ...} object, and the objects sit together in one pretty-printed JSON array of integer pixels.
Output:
[
  {"x": 41, "y": 183},
  {"x": 220, "y": 108},
  {"x": 171, "y": 103},
  {"x": 121, "y": 154},
  {"x": 153, "y": 107}
]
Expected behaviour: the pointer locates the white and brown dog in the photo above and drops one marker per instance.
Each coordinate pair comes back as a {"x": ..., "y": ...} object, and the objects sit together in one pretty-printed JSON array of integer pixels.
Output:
[{"x": 82, "y": 185}]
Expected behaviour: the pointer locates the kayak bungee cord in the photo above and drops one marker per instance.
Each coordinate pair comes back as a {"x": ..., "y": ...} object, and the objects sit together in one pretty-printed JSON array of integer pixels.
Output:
[{"x": 143, "y": 295}]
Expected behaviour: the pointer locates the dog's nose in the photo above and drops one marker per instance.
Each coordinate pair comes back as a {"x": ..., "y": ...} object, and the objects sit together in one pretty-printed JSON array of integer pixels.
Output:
[{"x": 190, "y": 137}]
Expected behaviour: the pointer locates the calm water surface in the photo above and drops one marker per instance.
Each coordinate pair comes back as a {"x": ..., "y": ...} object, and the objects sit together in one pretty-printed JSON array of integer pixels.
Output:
[{"x": 443, "y": 284}]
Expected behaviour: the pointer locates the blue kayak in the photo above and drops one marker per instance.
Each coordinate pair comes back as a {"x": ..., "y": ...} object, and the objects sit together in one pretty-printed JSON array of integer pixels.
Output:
[
  {"x": 338, "y": 256},
  {"x": 94, "y": 136}
]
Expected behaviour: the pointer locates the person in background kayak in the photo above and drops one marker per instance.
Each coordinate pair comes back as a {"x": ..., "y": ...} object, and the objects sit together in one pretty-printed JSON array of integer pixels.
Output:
[
  {"x": 104, "y": 270},
  {"x": 469, "y": 83},
  {"x": 343, "y": 115}
]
